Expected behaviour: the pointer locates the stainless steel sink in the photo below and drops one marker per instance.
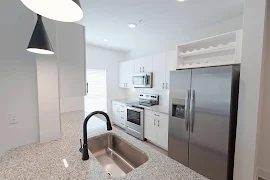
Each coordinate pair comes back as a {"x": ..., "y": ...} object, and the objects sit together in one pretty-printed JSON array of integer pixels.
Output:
[{"x": 116, "y": 155}]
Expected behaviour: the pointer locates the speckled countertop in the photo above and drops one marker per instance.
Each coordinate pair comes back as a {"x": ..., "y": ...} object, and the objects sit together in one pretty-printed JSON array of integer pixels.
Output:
[
  {"x": 45, "y": 160},
  {"x": 125, "y": 101},
  {"x": 159, "y": 108}
]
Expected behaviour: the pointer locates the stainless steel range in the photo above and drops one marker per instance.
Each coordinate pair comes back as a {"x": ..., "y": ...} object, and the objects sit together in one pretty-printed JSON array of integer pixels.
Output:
[{"x": 135, "y": 114}]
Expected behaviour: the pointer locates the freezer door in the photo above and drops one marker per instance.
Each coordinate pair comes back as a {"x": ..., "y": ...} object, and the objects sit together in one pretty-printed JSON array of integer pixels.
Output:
[
  {"x": 178, "y": 116},
  {"x": 210, "y": 121}
]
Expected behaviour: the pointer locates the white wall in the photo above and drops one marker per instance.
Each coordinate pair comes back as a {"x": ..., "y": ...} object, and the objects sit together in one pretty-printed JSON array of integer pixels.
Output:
[
  {"x": 250, "y": 89},
  {"x": 228, "y": 25},
  {"x": 71, "y": 62},
  {"x": 48, "y": 88},
  {"x": 133, "y": 94},
  {"x": 263, "y": 156},
  {"x": 99, "y": 58},
  {"x": 18, "y": 77}
]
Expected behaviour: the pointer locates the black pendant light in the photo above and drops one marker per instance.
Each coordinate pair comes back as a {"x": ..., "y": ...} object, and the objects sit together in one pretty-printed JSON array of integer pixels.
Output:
[
  {"x": 59, "y": 10},
  {"x": 40, "y": 43}
]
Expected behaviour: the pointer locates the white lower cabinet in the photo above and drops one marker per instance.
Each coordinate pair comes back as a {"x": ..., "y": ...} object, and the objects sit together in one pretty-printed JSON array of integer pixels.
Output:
[
  {"x": 150, "y": 128},
  {"x": 119, "y": 114},
  {"x": 156, "y": 128}
]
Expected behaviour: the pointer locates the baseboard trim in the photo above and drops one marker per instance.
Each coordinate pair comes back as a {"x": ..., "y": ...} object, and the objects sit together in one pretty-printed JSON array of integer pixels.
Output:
[{"x": 262, "y": 173}]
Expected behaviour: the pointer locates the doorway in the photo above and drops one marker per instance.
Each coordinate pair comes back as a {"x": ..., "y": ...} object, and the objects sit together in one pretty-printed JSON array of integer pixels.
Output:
[{"x": 96, "y": 98}]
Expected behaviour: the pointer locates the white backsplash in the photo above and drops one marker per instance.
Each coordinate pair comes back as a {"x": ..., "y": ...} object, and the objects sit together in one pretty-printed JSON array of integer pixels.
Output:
[{"x": 133, "y": 94}]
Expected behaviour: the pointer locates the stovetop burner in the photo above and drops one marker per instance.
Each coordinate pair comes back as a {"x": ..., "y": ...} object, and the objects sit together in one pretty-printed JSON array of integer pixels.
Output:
[{"x": 146, "y": 100}]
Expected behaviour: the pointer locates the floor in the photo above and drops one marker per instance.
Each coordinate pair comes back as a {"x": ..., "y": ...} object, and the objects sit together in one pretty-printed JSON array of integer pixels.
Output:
[{"x": 97, "y": 124}]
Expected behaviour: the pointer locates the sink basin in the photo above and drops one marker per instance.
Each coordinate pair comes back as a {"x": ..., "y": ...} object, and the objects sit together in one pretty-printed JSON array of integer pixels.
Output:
[{"x": 116, "y": 155}]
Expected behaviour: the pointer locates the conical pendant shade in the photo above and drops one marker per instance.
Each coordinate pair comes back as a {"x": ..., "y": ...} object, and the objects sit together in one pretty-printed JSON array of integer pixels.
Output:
[
  {"x": 40, "y": 42},
  {"x": 59, "y": 10}
]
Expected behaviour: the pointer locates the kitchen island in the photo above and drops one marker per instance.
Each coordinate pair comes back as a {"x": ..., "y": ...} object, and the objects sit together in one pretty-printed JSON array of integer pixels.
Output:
[{"x": 61, "y": 159}]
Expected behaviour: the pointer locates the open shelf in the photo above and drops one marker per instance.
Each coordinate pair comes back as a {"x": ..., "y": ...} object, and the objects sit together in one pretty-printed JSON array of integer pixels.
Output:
[{"x": 213, "y": 51}]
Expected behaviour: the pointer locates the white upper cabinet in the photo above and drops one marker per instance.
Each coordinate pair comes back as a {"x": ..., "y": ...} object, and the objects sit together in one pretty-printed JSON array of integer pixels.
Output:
[
  {"x": 162, "y": 65},
  {"x": 159, "y": 71},
  {"x": 126, "y": 71},
  {"x": 129, "y": 73},
  {"x": 171, "y": 65},
  {"x": 148, "y": 64},
  {"x": 122, "y": 71},
  {"x": 138, "y": 64},
  {"x": 144, "y": 64}
]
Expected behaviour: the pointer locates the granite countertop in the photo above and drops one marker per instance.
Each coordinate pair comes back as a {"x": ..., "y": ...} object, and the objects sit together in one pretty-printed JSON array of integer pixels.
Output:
[
  {"x": 125, "y": 101},
  {"x": 157, "y": 108},
  {"x": 61, "y": 159}
]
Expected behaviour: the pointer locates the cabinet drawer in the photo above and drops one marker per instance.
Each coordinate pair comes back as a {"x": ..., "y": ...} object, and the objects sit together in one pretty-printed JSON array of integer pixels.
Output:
[
  {"x": 115, "y": 103},
  {"x": 122, "y": 122},
  {"x": 122, "y": 111},
  {"x": 124, "y": 118},
  {"x": 150, "y": 113},
  {"x": 156, "y": 114}
]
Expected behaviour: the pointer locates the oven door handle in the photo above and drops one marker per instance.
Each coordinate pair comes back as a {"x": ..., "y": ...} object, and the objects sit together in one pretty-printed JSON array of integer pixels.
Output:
[{"x": 135, "y": 109}]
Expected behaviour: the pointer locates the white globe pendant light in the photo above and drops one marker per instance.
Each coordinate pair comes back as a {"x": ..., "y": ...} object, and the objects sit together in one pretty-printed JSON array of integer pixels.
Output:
[{"x": 59, "y": 10}]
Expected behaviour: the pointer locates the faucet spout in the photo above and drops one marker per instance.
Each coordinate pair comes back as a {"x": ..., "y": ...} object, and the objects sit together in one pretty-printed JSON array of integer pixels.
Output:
[{"x": 84, "y": 149}]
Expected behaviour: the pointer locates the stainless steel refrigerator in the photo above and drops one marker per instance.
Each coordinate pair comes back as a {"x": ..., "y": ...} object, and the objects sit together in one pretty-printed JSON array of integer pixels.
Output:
[{"x": 203, "y": 118}]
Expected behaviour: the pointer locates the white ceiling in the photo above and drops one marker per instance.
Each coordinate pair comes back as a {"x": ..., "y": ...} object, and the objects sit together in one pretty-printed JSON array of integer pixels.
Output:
[{"x": 161, "y": 20}]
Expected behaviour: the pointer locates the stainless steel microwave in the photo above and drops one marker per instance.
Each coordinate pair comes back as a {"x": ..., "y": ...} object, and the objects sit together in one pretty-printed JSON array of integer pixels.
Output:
[{"x": 142, "y": 80}]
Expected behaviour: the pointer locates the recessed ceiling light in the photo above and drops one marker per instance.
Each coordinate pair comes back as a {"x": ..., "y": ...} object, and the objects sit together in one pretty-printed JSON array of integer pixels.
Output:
[
  {"x": 132, "y": 25},
  {"x": 106, "y": 40},
  {"x": 180, "y": 0}
]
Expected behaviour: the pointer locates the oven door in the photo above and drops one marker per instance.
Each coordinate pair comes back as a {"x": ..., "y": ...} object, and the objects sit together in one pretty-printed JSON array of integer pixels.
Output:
[
  {"x": 142, "y": 80},
  {"x": 135, "y": 122}
]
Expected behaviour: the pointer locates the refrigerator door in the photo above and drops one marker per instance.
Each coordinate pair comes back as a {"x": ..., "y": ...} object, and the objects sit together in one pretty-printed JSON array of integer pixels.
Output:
[
  {"x": 178, "y": 116},
  {"x": 210, "y": 121}
]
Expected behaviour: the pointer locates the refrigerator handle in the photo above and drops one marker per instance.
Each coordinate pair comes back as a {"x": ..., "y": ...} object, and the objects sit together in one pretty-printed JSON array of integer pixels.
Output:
[
  {"x": 191, "y": 110},
  {"x": 186, "y": 109}
]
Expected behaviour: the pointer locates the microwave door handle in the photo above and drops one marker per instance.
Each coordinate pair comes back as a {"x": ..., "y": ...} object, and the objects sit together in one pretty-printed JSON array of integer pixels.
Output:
[{"x": 146, "y": 80}]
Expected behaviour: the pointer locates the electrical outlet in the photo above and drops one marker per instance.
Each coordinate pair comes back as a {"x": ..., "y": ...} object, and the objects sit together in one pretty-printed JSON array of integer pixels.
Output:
[{"x": 13, "y": 119}]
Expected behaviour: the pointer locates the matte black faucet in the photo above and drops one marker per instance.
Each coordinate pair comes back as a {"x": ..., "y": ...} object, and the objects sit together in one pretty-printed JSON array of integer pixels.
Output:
[{"x": 84, "y": 148}]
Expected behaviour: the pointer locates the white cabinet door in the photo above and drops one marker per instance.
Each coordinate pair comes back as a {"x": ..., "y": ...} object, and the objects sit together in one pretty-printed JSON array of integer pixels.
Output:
[
  {"x": 115, "y": 109},
  {"x": 159, "y": 71},
  {"x": 162, "y": 132},
  {"x": 129, "y": 66},
  {"x": 123, "y": 115},
  {"x": 171, "y": 65},
  {"x": 138, "y": 65},
  {"x": 150, "y": 132},
  {"x": 147, "y": 64},
  {"x": 144, "y": 64},
  {"x": 122, "y": 75},
  {"x": 126, "y": 71}
]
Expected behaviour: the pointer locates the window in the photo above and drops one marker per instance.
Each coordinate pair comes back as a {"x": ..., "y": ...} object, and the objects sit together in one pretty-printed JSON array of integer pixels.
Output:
[{"x": 96, "y": 99}]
